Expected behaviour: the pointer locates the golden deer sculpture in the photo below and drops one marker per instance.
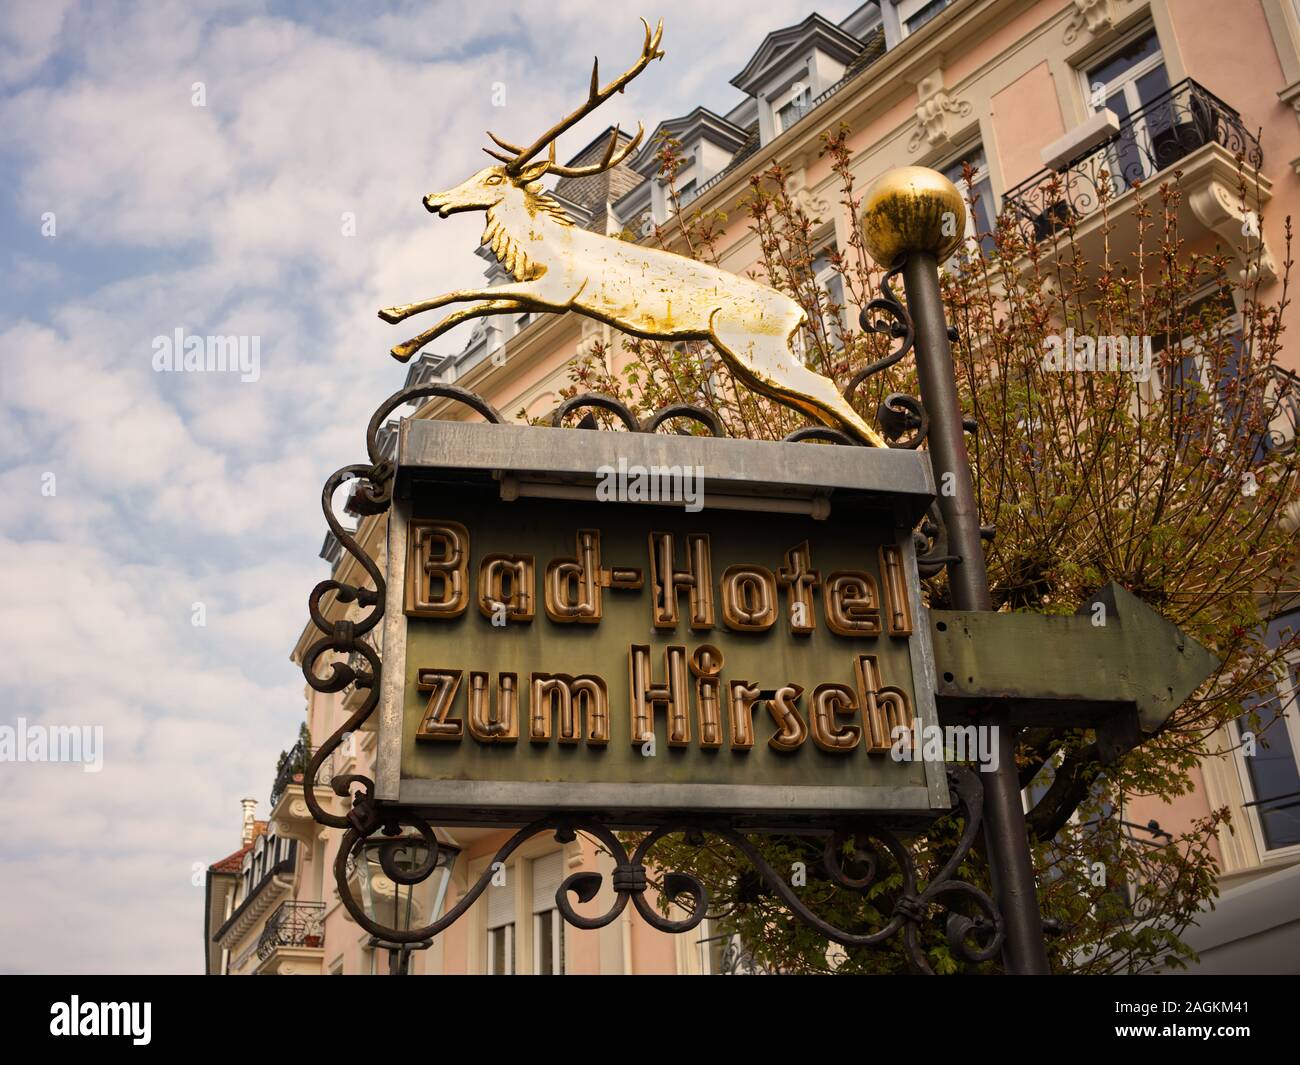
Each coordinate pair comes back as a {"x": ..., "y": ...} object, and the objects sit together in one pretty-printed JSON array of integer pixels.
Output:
[{"x": 647, "y": 292}]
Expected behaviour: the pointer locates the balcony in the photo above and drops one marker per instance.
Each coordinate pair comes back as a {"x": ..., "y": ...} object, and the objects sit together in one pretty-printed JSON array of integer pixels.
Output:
[
  {"x": 1284, "y": 427},
  {"x": 1284, "y": 394},
  {"x": 1187, "y": 127},
  {"x": 293, "y": 940},
  {"x": 294, "y": 767},
  {"x": 290, "y": 813}
]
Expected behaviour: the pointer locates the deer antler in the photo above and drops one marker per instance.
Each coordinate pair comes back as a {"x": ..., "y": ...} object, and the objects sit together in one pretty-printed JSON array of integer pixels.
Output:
[
  {"x": 611, "y": 157},
  {"x": 595, "y": 97}
]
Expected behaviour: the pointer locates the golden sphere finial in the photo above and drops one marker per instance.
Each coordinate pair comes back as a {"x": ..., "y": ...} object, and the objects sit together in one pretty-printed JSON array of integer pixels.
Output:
[{"x": 912, "y": 208}]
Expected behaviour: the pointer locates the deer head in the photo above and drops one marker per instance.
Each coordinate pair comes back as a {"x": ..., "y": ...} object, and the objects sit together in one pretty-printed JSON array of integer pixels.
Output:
[
  {"x": 493, "y": 184},
  {"x": 484, "y": 190}
]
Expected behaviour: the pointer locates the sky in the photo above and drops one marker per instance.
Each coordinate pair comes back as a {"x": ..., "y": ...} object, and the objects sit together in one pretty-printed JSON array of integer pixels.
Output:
[{"x": 233, "y": 169}]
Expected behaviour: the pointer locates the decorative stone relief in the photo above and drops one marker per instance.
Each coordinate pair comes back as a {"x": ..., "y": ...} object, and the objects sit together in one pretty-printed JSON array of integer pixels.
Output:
[
  {"x": 1220, "y": 209},
  {"x": 937, "y": 114},
  {"x": 814, "y": 207},
  {"x": 593, "y": 332},
  {"x": 1089, "y": 17}
]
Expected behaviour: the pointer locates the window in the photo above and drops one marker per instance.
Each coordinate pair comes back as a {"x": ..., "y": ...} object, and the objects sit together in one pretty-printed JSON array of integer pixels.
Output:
[
  {"x": 1271, "y": 777},
  {"x": 548, "y": 925},
  {"x": 712, "y": 947},
  {"x": 1194, "y": 375},
  {"x": 1127, "y": 80},
  {"x": 686, "y": 192},
  {"x": 723, "y": 953},
  {"x": 919, "y": 16},
  {"x": 979, "y": 215},
  {"x": 791, "y": 105},
  {"x": 501, "y": 929},
  {"x": 831, "y": 285},
  {"x": 501, "y": 950}
]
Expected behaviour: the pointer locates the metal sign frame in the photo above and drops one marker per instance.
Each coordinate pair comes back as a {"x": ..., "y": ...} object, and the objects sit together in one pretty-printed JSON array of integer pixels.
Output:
[
  {"x": 523, "y": 463},
  {"x": 851, "y": 843}
]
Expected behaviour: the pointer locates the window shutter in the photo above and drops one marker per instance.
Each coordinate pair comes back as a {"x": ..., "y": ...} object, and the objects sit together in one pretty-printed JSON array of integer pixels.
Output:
[{"x": 548, "y": 873}]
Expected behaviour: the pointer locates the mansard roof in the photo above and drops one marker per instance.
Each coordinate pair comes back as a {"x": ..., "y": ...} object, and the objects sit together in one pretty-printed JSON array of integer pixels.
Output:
[
  {"x": 699, "y": 123},
  {"x": 779, "y": 45}
]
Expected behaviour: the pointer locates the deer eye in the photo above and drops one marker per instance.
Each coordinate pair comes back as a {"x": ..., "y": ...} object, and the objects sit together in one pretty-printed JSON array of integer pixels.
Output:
[{"x": 494, "y": 179}]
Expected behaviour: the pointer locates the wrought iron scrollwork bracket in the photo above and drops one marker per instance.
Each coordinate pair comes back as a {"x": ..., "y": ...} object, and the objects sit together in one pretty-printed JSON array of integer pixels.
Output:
[
  {"x": 973, "y": 929},
  {"x": 590, "y": 400},
  {"x": 902, "y": 418}
]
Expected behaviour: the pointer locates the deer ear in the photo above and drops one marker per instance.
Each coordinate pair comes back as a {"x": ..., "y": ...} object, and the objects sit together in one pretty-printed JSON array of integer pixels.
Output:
[{"x": 533, "y": 171}]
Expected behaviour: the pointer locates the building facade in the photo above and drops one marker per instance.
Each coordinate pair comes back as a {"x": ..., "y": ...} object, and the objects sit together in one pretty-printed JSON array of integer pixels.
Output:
[{"x": 1019, "y": 91}]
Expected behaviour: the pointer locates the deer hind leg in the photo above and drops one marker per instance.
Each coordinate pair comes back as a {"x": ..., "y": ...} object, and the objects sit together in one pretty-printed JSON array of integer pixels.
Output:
[
  {"x": 403, "y": 352},
  {"x": 767, "y": 362}
]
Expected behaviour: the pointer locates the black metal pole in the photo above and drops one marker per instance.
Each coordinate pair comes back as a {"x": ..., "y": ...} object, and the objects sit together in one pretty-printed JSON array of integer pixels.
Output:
[{"x": 1005, "y": 833}]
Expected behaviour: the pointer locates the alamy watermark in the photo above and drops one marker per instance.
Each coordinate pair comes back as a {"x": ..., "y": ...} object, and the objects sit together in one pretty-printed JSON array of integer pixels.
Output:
[
  {"x": 179, "y": 353},
  {"x": 77, "y": 1018},
  {"x": 1085, "y": 352},
  {"x": 651, "y": 484},
  {"x": 951, "y": 743},
  {"x": 73, "y": 744}
]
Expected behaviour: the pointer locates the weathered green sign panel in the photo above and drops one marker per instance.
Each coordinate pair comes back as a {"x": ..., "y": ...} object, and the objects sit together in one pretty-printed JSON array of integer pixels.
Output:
[{"x": 633, "y": 624}]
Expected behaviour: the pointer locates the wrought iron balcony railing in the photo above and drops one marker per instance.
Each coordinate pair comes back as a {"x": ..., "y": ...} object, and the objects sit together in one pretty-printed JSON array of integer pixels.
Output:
[
  {"x": 1152, "y": 139},
  {"x": 1285, "y": 408},
  {"x": 293, "y": 924},
  {"x": 294, "y": 767}
]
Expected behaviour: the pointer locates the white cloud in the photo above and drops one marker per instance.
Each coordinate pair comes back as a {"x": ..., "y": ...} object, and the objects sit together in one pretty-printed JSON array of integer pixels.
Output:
[
  {"x": 29, "y": 33},
  {"x": 181, "y": 488}
]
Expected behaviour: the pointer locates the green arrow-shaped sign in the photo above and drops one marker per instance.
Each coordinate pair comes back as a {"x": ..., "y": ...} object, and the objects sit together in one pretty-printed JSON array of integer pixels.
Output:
[{"x": 1115, "y": 665}]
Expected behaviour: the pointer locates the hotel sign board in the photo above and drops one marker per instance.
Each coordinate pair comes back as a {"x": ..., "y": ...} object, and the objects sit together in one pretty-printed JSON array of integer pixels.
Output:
[{"x": 634, "y": 626}]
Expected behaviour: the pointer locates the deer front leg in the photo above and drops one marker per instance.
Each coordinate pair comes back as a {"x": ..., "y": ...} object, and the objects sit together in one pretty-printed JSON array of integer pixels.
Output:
[
  {"x": 403, "y": 352},
  {"x": 525, "y": 291}
]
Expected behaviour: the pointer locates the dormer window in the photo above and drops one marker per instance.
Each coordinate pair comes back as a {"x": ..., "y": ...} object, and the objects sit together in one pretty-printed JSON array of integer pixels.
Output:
[
  {"x": 792, "y": 67},
  {"x": 798, "y": 100},
  {"x": 902, "y": 18},
  {"x": 916, "y": 13},
  {"x": 706, "y": 145}
]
